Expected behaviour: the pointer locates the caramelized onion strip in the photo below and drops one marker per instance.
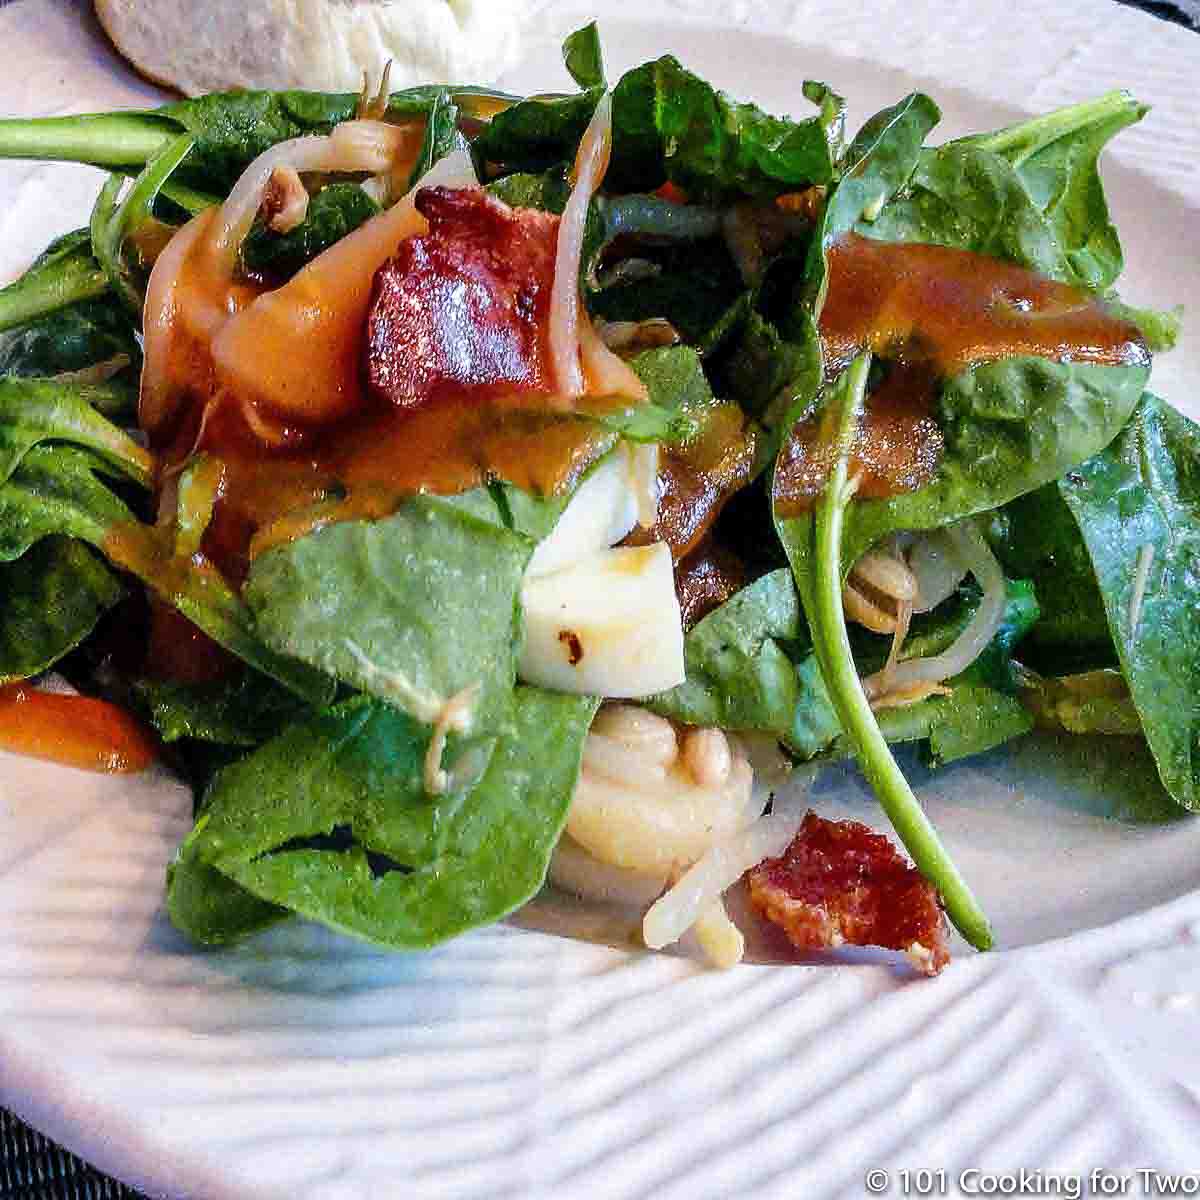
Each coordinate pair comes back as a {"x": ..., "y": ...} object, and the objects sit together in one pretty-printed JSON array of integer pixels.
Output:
[
  {"x": 590, "y": 164},
  {"x": 717, "y": 870},
  {"x": 973, "y": 552},
  {"x": 353, "y": 146}
]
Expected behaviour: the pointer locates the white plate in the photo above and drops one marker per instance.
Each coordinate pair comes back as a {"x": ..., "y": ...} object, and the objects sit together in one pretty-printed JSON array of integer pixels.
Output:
[{"x": 304, "y": 1065}]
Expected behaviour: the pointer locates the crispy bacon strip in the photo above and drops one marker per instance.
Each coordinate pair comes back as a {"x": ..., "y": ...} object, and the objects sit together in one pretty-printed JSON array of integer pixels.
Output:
[
  {"x": 840, "y": 884},
  {"x": 464, "y": 308}
]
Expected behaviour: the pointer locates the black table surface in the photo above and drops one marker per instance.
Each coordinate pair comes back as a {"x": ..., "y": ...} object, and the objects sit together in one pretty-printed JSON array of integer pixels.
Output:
[{"x": 33, "y": 1168}]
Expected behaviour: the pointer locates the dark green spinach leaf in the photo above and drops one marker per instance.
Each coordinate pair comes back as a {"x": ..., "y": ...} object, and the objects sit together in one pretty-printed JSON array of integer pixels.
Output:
[
  {"x": 64, "y": 273},
  {"x": 1056, "y": 157},
  {"x": 34, "y": 411},
  {"x": 413, "y": 608},
  {"x": 53, "y": 596},
  {"x": 333, "y": 212},
  {"x": 1009, "y": 427},
  {"x": 397, "y": 866},
  {"x": 669, "y": 124},
  {"x": 244, "y": 709},
  {"x": 71, "y": 339},
  {"x": 1035, "y": 536},
  {"x": 1137, "y": 504}
]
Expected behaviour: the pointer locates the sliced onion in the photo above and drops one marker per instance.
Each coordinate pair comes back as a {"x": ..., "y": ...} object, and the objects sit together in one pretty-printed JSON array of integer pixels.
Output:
[
  {"x": 719, "y": 938},
  {"x": 455, "y": 170},
  {"x": 973, "y": 552},
  {"x": 590, "y": 164},
  {"x": 368, "y": 146},
  {"x": 604, "y": 372},
  {"x": 938, "y": 570},
  {"x": 718, "y": 869}
]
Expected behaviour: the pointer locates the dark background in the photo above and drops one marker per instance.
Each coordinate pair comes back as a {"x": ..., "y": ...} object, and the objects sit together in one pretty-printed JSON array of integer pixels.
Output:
[{"x": 31, "y": 1168}]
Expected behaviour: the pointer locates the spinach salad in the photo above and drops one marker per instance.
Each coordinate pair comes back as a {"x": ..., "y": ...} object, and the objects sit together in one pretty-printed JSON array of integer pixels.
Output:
[{"x": 438, "y": 472}]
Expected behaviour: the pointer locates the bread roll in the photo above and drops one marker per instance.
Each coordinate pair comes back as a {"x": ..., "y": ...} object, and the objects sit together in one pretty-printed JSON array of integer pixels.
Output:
[{"x": 326, "y": 45}]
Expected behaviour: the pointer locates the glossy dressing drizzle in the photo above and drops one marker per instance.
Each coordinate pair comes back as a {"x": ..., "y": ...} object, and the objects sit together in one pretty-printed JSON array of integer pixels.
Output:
[{"x": 932, "y": 312}]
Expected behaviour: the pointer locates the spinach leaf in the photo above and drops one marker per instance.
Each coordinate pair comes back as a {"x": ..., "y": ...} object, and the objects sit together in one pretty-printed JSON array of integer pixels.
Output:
[
  {"x": 1035, "y": 536},
  {"x": 1009, "y": 427},
  {"x": 1159, "y": 328},
  {"x": 54, "y": 595},
  {"x": 1056, "y": 157},
  {"x": 983, "y": 709},
  {"x": 973, "y": 719},
  {"x": 57, "y": 489},
  {"x": 414, "y": 608},
  {"x": 210, "y": 908},
  {"x": 531, "y": 516},
  {"x": 772, "y": 376},
  {"x": 669, "y": 124},
  {"x": 968, "y": 198},
  {"x": 442, "y": 136},
  {"x": 584, "y": 58},
  {"x": 537, "y": 133},
  {"x": 64, "y": 273},
  {"x": 545, "y": 190},
  {"x": 684, "y": 271},
  {"x": 245, "y": 709},
  {"x": 1137, "y": 504},
  {"x": 390, "y": 863},
  {"x": 230, "y": 129},
  {"x": 115, "y": 218},
  {"x": 70, "y": 339},
  {"x": 543, "y": 131},
  {"x": 649, "y": 423},
  {"x": 739, "y": 674},
  {"x": 878, "y": 164},
  {"x": 33, "y": 411},
  {"x": 333, "y": 212}
]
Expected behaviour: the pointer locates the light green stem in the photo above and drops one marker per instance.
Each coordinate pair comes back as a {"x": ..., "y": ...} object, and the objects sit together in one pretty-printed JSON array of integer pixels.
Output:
[
  {"x": 114, "y": 140},
  {"x": 113, "y": 222},
  {"x": 854, "y": 711}
]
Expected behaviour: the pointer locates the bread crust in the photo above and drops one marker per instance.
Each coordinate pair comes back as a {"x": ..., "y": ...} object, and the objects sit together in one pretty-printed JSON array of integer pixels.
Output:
[{"x": 323, "y": 45}]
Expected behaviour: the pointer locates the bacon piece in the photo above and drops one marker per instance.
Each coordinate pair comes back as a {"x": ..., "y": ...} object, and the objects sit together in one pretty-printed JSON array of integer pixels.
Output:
[
  {"x": 464, "y": 308},
  {"x": 838, "y": 883}
]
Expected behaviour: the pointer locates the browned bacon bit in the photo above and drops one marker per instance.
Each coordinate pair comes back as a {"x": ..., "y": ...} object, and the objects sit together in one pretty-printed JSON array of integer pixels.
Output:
[
  {"x": 462, "y": 310},
  {"x": 840, "y": 884}
]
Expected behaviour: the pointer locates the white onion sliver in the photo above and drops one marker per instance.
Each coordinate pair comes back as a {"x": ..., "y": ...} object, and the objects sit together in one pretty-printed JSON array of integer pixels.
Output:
[
  {"x": 455, "y": 170},
  {"x": 674, "y": 913},
  {"x": 719, "y": 938},
  {"x": 353, "y": 146},
  {"x": 937, "y": 569},
  {"x": 973, "y": 552},
  {"x": 590, "y": 164}
]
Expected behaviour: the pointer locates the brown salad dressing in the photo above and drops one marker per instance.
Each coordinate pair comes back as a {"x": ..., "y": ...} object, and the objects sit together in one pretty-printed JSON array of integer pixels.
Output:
[{"x": 932, "y": 312}]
